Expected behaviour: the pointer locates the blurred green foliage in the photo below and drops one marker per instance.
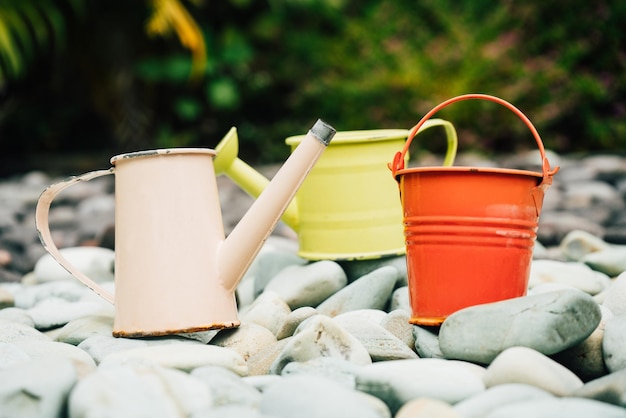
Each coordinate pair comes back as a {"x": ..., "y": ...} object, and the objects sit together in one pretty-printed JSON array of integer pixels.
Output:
[{"x": 86, "y": 75}]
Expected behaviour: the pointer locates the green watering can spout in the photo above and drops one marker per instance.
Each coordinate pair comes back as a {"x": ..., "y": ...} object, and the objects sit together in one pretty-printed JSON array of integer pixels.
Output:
[{"x": 251, "y": 181}]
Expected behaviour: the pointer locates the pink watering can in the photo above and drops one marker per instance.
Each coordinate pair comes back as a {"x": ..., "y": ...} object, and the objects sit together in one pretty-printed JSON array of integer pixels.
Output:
[{"x": 175, "y": 271}]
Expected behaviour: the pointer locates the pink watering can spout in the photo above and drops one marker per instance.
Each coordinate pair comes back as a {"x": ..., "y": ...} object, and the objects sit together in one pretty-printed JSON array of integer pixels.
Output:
[{"x": 244, "y": 242}]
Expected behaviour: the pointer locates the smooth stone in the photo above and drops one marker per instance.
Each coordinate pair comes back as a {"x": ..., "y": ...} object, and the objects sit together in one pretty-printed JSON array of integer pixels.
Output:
[
  {"x": 540, "y": 251},
  {"x": 36, "y": 388},
  {"x": 269, "y": 264},
  {"x": 260, "y": 363},
  {"x": 261, "y": 382},
  {"x": 426, "y": 342},
  {"x": 293, "y": 320},
  {"x": 135, "y": 389},
  {"x": 336, "y": 369},
  {"x": 373, "y": 315},
  {"x": 558, "y": 408},
  {"x": 397, "y": 322},
  {"x": 610, "y": 388},
  {"x": 371, "y": 291},
  {"x": 15, "y": 331},
  {"x": 308, "y": 285},
  {"x": 6, "y": 299},
  {"x": 613, "y": 343},
  {"x": 95, "y": 262},
  {"x": 300, "y": 396},
  {"x": 244, "y": 293},
  {"x": 53, "y": 313},
  {"x": 10, "y": 355},
  {"x": 400, "y": 299},
  {"x": 527, "y": 366},
  {"x": 381, "y": 344},
  {"x": 246, "y": 340},
  {"x": 29, "y": 296},
  {"x": 615, "y": 297},
  {"x": 555, "y": 225},
  {"x": 577, "y": 244},
  {"x": 480, "y": 405},
  {"x": 37, "y": 349},
  {"x": 359, "y": 268},
  {"x": 611, "y": 262},
  {"x": 100, "y": 346},
  {"x": 574, "y": 274},
  {"x": 17, "y": 315},
  {"x": 181, "y": 356},
  {"x": 227, "y": 387},
  {"x": 585, "y": 194},
  {"x": 78, "y": 330},
  {"x": 269, "y": 310},
  {"x": 586, "y": 359},
  {"x": 547, "y": 322},
  {"x": 320, "y": 336},
  {"x": 397, "y": 382},
  {"x": 427, "y": 408},
  {"x": 231, "y": 411}
]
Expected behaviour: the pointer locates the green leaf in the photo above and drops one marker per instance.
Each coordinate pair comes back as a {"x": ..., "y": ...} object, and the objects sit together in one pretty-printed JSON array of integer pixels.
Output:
[
  {"x": 222, "y": 93},
  {"x": 188, "y": 108}
]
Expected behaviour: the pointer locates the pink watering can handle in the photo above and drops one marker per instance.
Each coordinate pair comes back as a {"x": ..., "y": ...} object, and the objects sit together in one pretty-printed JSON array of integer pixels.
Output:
[
  {"x": 43, "y": 228},
  {"x": 398, "y": 160}
]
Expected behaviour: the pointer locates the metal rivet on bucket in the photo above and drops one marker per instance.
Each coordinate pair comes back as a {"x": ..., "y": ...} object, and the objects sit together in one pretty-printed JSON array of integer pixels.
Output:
[{"x": 469, "y": 231}]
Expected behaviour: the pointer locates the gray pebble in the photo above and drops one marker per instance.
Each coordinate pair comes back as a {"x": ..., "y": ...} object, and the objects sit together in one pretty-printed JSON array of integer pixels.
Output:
[
  {"x": 426, "y": 342},
  {"x": 381, "y": 344},
  {"x": 397, "y": 322},
  {"x": 614, "y": 342},
  {"x": 480, "y": 405},
  {"x": 615, "y": 297},
  {"x": 78, "y": 330},
  {"x": 547, "y": 322},
  {"x": 308, "y": 285},
  {"x": 527, "y": 366},
  {"x": 610, "y": 388},
  {"x": 293, "y": 320},
  {"x": 397, "y": 382},
  {"x": 334, "y": 368},
  {"x": 299, "y": 396},
  {"x": 138, "y": 390},
  {"x": 269, "y": 310},
  {"x": 320, "y": 336},
  {"x": 400, "y": 299},
  {"x": 246, "y": 340},
  {"x": 15, "y": 331},
  {"x": 180, "y": 356},
  {"x": 95, "y": 262},
  {"x": 558, "y": 408},
  {"x": 610, "y": 261},
  {"x": 36, "y": 388},
  {"x": 574, "y": 274},
  {"x": 227, "y": 387},
  {"x": 371, "y": 291},
  {"x": 17, "y": 315}
]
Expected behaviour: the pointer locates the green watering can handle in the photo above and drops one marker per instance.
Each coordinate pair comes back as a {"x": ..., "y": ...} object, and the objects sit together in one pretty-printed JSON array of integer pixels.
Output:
[{"x": 398, "y": 160}]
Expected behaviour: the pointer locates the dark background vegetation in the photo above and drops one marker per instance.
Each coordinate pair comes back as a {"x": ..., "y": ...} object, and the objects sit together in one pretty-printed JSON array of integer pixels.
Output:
[{"x": 82, "y": 80}]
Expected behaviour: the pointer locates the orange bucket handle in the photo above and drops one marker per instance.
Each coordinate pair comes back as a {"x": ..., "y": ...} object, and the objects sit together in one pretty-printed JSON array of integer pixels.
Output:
[{"x": 398, "y": 160}]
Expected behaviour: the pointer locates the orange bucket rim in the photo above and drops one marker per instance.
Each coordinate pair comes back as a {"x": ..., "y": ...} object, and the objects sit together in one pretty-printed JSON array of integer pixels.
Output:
[
  {"x": 397, "y": 165},
  {"x": 462, "y": 169}
]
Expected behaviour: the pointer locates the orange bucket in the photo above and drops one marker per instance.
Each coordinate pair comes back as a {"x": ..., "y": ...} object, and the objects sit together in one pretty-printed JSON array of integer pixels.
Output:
[{"x": 469, "y": 231}]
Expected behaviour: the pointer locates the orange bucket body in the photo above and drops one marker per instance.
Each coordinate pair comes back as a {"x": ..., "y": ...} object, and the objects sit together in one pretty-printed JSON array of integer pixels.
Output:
[
  {"x": 469, "y": 237},
  {"x": 469, "y": 232}
]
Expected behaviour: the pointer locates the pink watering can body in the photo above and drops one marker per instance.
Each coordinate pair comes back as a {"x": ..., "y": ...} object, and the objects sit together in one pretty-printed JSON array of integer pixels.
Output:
[{"x": 175, "y": 271}]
